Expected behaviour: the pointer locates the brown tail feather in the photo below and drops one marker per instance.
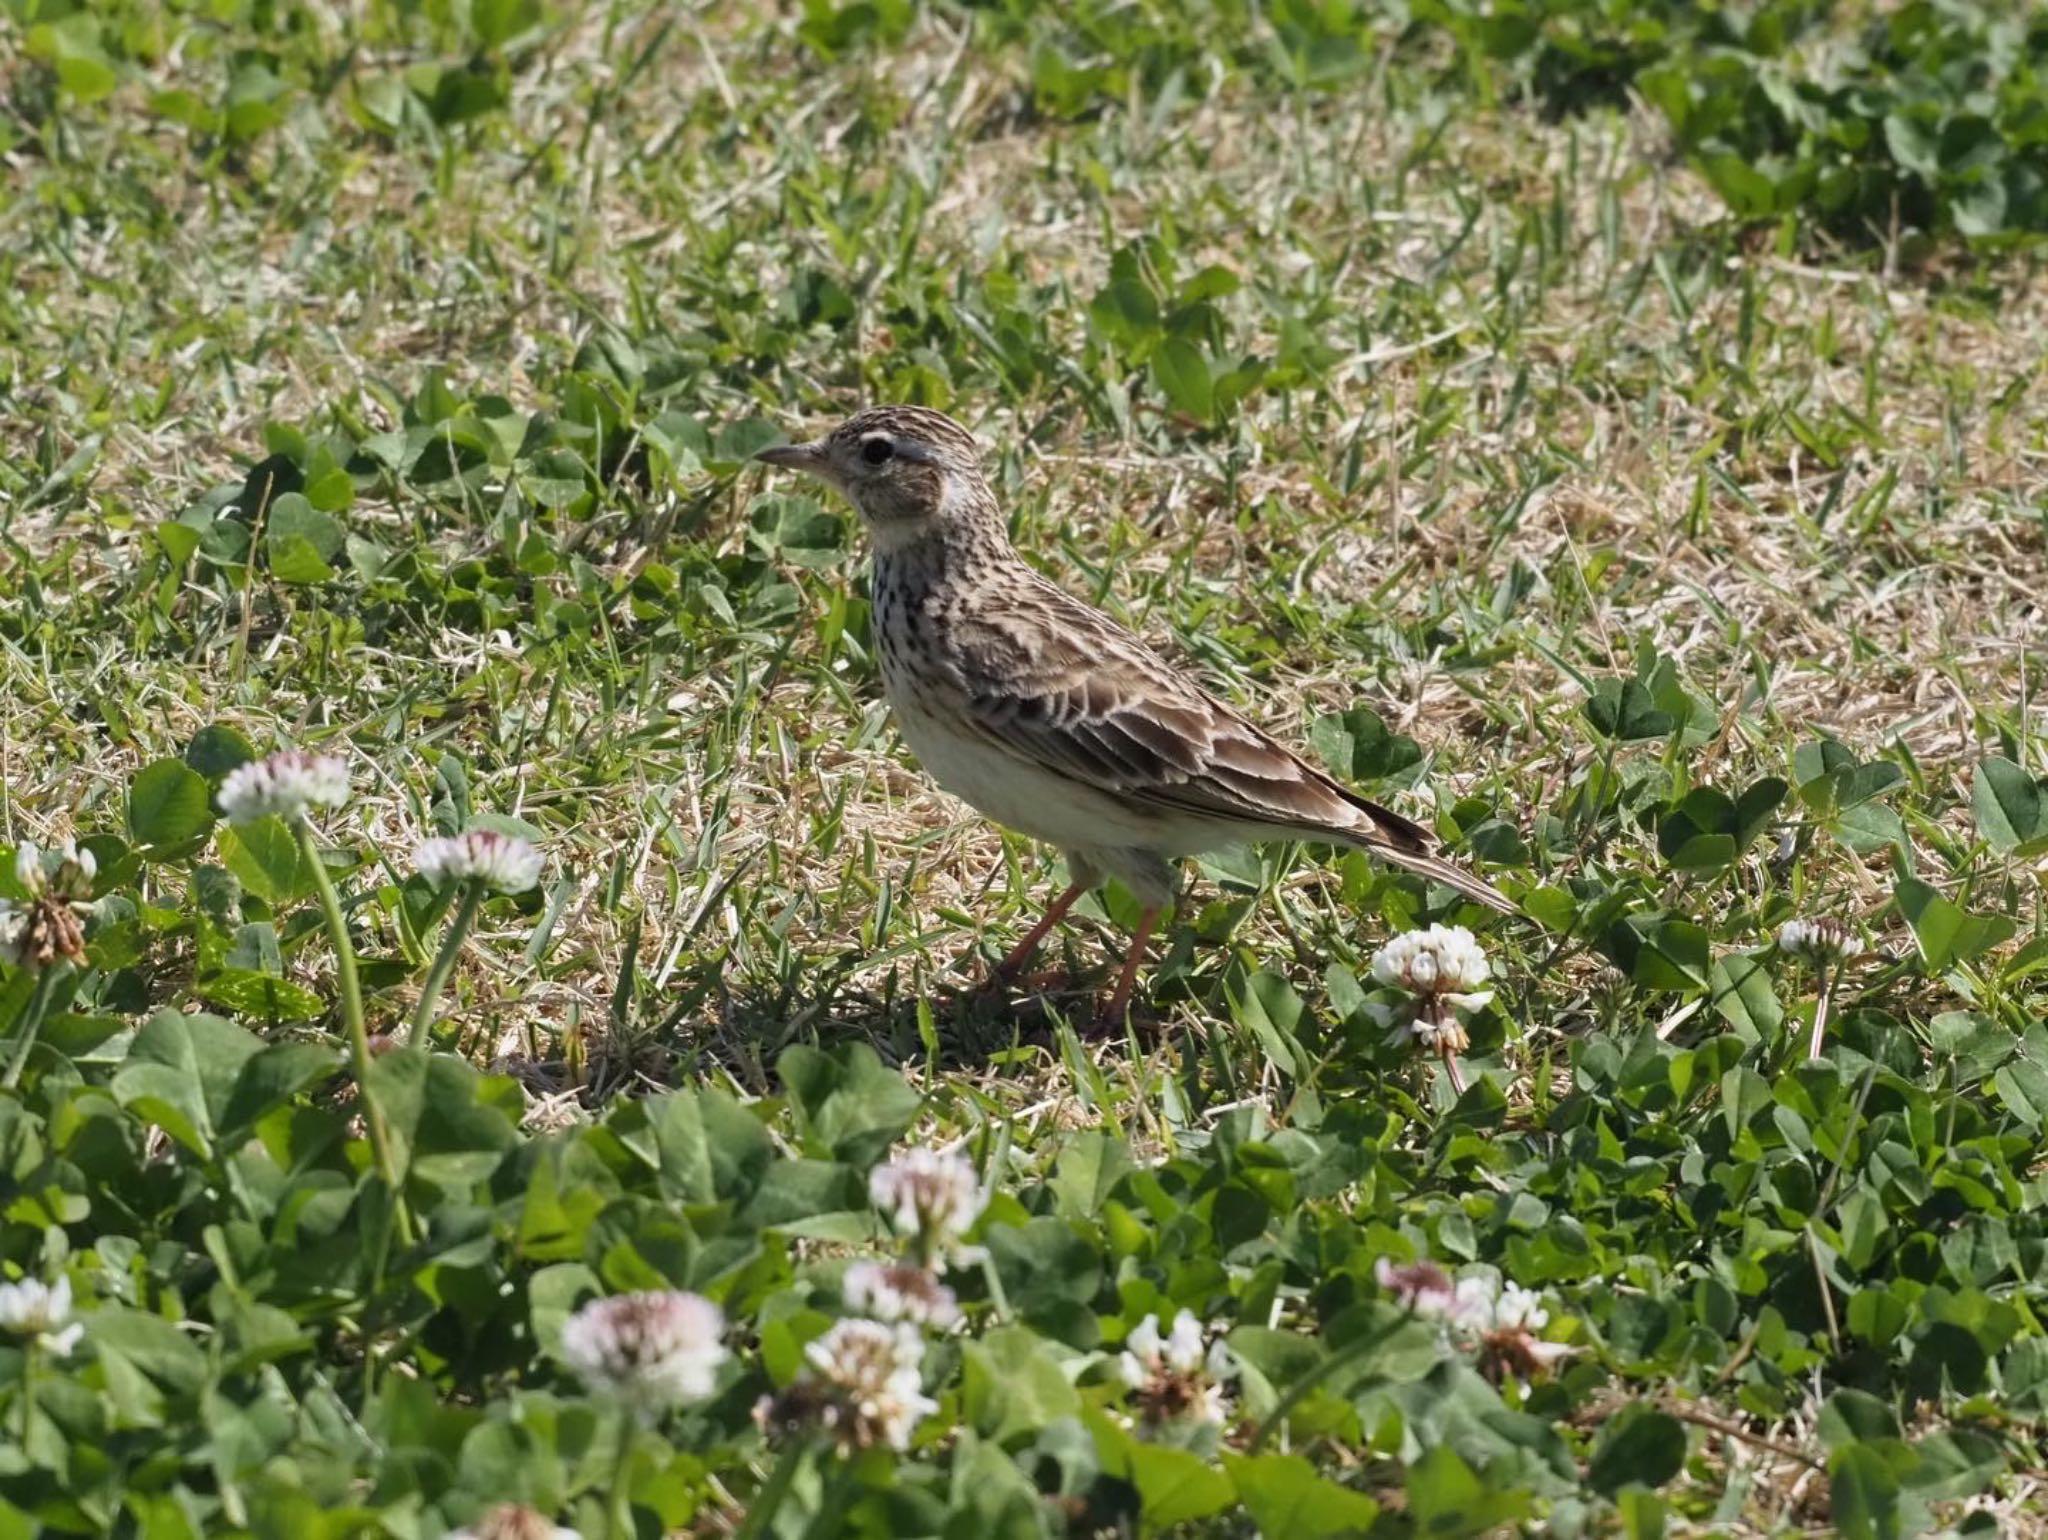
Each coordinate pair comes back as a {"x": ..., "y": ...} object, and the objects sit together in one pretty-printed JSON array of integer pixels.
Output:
[
  {"x": 1398, "y": 842},
  {"x": 1437, "y": 869}
]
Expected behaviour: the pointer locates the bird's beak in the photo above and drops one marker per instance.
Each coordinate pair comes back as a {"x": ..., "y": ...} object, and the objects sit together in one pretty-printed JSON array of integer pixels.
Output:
[{"x": 809, "y": 458}]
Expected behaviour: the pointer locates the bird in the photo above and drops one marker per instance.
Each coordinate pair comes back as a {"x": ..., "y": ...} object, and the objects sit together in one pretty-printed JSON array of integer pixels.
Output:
[{"x": 1047, "y": 716}]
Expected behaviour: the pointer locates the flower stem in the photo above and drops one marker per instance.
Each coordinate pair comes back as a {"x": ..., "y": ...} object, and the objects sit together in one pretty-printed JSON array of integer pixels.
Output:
[
  {"x": 444, "y": 962},
  {"x": 28, "y": 1388},
  {"x": 761, "y": 1512},
  {"x": 1457, "y": 1075},
  {"x": 1343, "y": 1358},
  {"x": 352, "y": 1013},
  {"x": 619, "y": 1517},
  {"x": 30, "y": 1024},
  {"x": 1820, "y": 1012}
]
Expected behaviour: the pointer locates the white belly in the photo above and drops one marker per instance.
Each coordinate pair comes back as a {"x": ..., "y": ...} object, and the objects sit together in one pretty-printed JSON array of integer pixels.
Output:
[{"x": 1020, "y": 795}]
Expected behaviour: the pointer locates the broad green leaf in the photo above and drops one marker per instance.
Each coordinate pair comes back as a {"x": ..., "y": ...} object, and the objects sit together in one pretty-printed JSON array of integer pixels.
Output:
[
  {"x": 1639, "y": 1446},
  {"x": 1623, "y": 709},
  {"x": 1863, "y": 1225},
  {"x": 449, "y": 1122},
  {"x": 1748, "y": 192},
  {"x": 1126, "y": 314},
  {"x": 266, "y": 859},
  {"x": 1849, "y": 1416},
  {"x": 1182, "y": 375},
  {"x": 819, "y": 1198},
  {"x": 565, "y": 1188},
  {"x": 1947, "y": 934},
  {"x": 301, "y": 541},
  {"x": 1357, "y": 746},
  {"x": 273, "y": 1077},
  {"x": 1176, "y": 1486},
  {"x": 180, "y": 1073},
  {"x": 1706, "y": 831},
  {"x": 1741, "y": 991},
  {"x": 2023, "y": 1086},
  {"x": 1863, "y": 1487},
  {"x": 1675, "y": 954},
  {"x": 1869, "y": 827},
  {"x": 1045, "y": 1262},
  {"x": 1090, "y": 1166},
  {"x": 168, "y": 802},
  {"x": 1447, "y": 1497},
  {"x": 849, "y": 1104},
  {"x": 1266, "y": 1005},
  {"x": 498, "y": 22},
  {"x": 2011, "y": 807},
  {"x": 1285, "y": 1495},
  {"x": 737, "y": 441},
  {"x": 704, "y": 1147},
  {"x": 217, "y": 749},
  {"x": 1013, "y": 1384},
  {"x": 144, "y": 1361},
  {"x": 260, "y": 996},
  {"x": 1954, "y": 1464}
]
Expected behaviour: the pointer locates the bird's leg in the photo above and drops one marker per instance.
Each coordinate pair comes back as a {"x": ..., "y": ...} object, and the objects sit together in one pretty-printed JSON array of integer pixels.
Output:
[
  {"x": 1120, "y": 1002},
  {"x": 1020, "y": 954}
]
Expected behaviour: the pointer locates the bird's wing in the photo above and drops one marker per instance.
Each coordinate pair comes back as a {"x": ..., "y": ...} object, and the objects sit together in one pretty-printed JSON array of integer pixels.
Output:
[{"x": 1062, "y": 686}]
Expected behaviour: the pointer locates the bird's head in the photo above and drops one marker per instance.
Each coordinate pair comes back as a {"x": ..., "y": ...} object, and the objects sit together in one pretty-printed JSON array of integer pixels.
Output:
[{"x": 907, "y": 470}]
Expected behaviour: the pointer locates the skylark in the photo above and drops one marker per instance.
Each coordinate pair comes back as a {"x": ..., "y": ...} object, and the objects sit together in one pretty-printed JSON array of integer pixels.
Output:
[{"x": 1049, "y": 717}]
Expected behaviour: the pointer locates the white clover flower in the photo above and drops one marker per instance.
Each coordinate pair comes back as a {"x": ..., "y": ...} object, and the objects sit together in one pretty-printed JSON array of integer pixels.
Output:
[
  {"x": 1520, "y": 1307},
  {"x": 653, "y": 1350},
  {"x": 900, "y": 1291},
  {"x": 864, "y": 1385},
  {"x": 1180, "y": 1375},
  {"x": 1503, "y": 1319},
  {"x": 931, "y": 1198},
  {"x": 501, "y": 862},
  {"x": 1474, "y": 1302},
  {"x": 288, "y": 783},
  {"x": 66, "y": 873},
  {"x": 1442, "y": 969},
  {"x": 1445, "y": 961},
  {"x": 32, "y": 1308},
  {"x": 512, "y": 1521},
  {"x": 1494, "y": 1320},
  {"x": 1823, "y": 940}
]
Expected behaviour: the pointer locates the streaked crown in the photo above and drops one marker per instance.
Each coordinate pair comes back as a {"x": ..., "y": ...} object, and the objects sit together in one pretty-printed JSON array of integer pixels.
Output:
[{"x": 906, "y": 469}]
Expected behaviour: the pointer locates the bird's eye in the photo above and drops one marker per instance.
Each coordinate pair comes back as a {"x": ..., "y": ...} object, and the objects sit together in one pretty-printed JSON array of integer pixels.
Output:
[{"x": 876, "y": 450}]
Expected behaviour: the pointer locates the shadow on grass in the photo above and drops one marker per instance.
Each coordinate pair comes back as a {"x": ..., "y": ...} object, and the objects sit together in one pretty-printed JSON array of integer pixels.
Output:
[{"x": 706, "y": 1023}]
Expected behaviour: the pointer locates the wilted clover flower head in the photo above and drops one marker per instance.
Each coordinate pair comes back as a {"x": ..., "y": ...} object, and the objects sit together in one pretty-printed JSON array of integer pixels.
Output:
[
  {"x": 511, "y": 1521},
  {"x": 1822, "y": 940},
  {"x": 50, "y": 923},
  {"x": 501, "y": 862},
  {"x": 864, "y": 1385},
  {"x": 900, "y": 1291},
  {"x": 931, "y": 1199},
  {"x": 37, "y": 1310},
  {"x": 652, "y": 1351},
  {"x": 1179, "y": 1375},
  {"x": 1420, "y": 1286},
  {"x": 287, "y": 784}
]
